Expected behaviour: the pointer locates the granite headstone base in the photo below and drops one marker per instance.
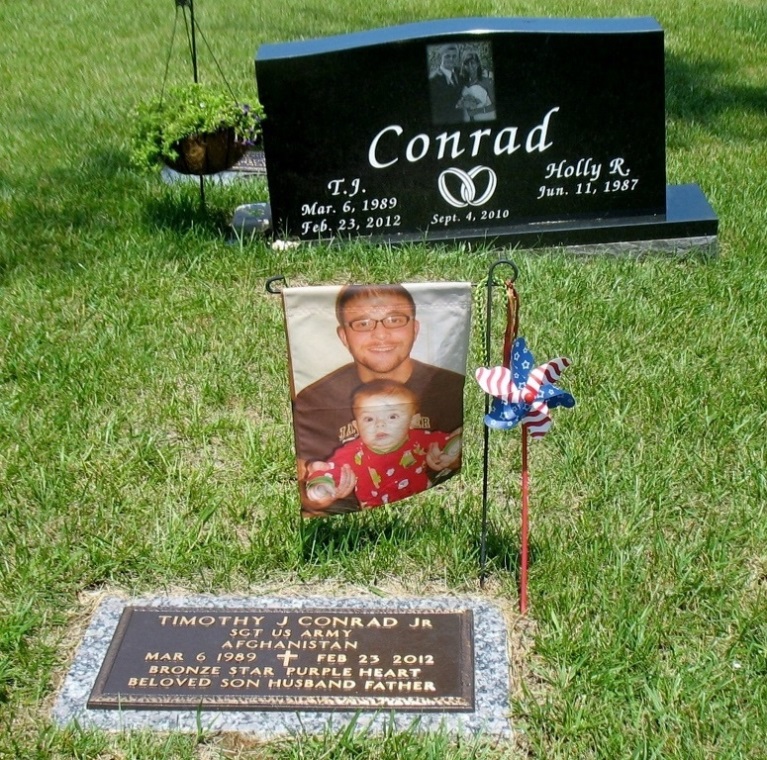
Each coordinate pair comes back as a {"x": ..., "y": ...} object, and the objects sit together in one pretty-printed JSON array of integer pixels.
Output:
[
  {"x": 489, "y": 716},
  {"x": 689, "y": 225}
]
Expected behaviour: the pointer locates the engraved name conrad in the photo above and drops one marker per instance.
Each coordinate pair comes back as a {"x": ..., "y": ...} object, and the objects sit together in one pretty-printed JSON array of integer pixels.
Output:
[
  {"x": 387, "y": 147},
  {"x": 349, "y": 209}
]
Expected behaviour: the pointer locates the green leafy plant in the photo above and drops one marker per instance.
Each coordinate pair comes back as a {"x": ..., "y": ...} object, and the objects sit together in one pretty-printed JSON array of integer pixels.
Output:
[{"x": 192, "y": 110}]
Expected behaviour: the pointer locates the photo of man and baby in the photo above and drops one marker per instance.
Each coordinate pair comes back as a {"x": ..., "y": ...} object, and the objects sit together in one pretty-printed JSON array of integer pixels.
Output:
[{"x": 387, "y": 424}]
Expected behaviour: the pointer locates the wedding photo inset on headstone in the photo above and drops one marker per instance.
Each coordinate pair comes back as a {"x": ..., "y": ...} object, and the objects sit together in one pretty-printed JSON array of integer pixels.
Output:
[{"x": 461, "y": 83}]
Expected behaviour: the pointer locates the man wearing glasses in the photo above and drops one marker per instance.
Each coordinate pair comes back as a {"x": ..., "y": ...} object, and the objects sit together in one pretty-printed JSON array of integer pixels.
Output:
[{"x": 378, "y": 326}]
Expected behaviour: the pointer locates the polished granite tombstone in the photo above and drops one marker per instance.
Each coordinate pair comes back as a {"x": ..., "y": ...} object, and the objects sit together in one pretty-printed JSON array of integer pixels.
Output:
[{"x": 549, "y": 132}]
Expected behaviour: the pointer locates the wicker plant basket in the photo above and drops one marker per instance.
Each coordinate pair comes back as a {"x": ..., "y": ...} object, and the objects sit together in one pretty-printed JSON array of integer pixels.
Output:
[{"x": 208, "y": 153}]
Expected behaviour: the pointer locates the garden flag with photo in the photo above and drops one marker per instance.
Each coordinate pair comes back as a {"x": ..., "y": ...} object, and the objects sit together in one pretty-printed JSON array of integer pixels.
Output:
[{"x": 377, "y": 375}]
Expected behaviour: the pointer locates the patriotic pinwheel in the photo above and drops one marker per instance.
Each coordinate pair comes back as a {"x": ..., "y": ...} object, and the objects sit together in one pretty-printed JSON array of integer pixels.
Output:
[{"x": 523, "y": 394}]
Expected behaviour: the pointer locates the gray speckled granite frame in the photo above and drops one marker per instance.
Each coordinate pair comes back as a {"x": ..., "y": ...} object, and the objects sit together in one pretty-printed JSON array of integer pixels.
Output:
[{"x": 491, "y": 676}]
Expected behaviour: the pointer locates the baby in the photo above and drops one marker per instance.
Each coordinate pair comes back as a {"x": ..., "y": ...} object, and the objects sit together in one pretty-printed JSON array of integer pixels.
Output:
[{"x": 390, "y": 459}]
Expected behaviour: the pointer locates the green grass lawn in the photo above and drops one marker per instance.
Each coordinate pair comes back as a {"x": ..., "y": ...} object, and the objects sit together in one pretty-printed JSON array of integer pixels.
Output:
[{"x": 145, "y": 426}]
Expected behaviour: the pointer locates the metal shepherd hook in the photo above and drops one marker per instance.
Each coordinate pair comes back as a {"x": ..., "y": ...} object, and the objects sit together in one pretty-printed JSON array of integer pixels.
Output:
[{"x": 511, "y": 327}]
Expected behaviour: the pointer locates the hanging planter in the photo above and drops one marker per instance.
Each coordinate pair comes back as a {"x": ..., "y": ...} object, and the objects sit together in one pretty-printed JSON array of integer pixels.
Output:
[
  {"x": 208, "y": 153},
  {"x": 194, "y": 129}
]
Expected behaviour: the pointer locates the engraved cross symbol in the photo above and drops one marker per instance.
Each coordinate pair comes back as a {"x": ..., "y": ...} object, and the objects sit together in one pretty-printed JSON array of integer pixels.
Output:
[{"x": 287, "y": 657}]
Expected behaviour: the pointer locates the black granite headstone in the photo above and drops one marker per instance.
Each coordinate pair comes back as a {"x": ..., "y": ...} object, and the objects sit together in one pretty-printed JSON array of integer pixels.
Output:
[{"x": 540, "y": 131}]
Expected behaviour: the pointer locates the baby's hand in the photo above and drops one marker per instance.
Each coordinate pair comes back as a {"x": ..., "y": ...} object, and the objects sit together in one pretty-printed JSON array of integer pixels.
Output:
[
  {"x": 320, "y": 492},
  {"x": 346, "y": 482},
  {"x": 324, "y": 491},
  {"x": 320, "y": 486},
  {"x": 448, "y": 457}
]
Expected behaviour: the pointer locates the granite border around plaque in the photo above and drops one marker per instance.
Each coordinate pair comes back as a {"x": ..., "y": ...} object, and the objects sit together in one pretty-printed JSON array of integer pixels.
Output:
[{"x": 482, "y": 709}]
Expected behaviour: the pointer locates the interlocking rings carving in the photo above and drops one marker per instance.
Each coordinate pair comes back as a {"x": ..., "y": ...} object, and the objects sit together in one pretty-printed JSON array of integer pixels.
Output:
[{"x": 467, "y": 188}]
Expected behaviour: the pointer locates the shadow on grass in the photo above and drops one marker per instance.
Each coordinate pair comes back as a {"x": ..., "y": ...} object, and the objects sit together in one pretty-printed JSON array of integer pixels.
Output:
[
  {"x": 324, "y": 540},
  {"x": 53, "y": 214},
  {"x": 184, "y": 211},
  {"x": 205, "y": 205},
  {"x": 385, "y": 538},
  {"x": 64, "y": 196},
  {"x": 504, "y": 549},
  {"x": 699, "y": 92}
]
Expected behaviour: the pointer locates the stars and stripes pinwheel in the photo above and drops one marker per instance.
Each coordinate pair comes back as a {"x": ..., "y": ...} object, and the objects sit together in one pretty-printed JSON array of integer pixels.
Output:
[{"x": 524, "y": 393}]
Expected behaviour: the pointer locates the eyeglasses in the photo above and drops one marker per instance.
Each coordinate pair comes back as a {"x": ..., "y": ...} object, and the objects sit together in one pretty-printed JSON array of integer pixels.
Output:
[{"x": 390, "y": 322}]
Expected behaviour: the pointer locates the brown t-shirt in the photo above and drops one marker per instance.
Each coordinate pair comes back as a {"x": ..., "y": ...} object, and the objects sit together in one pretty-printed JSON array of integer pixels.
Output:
[{"x": 322, "y": 412}]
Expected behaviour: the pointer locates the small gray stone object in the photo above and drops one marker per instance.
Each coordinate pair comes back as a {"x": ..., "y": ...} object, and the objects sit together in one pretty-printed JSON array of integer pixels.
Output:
[{"x": 252, "y": 218}]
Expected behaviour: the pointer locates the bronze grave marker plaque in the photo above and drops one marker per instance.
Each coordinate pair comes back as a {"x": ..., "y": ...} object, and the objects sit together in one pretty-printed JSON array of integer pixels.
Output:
[{"x": 311, "y": 659}]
